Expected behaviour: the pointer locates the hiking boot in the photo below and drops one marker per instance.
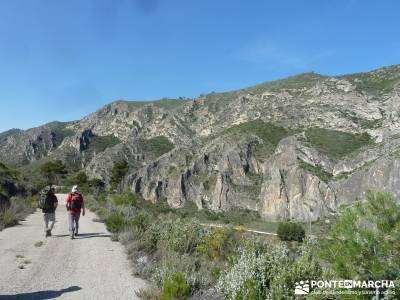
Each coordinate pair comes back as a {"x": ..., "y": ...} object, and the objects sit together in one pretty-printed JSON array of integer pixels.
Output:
[
  {"x": 72, "y": 236},
  {"x": 48, "y": 233},
  {"x": 76, "y": 233}
]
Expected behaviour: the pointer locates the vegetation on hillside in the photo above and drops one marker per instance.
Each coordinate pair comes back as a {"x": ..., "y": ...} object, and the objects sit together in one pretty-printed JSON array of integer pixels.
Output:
[
  {"x": 99, "y": 143},
  {"x": 6, "y": 172},
  {"x": 316, "y": 170},
  {"x": 268, "y": 132},
  {"x": 375, "y": 83},
  {"x": 216, "y": 101},
  {"x": 156, "y": 146},
  {"x": 336, "y": 144},
  {"x": 60, "y": 132},
  {"x": 5, "y": 134},
  {"x": 305, "y": 80}
]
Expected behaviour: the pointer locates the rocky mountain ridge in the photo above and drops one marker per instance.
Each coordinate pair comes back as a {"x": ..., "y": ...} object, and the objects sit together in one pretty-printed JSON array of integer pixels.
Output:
[{"x": 297, "y": 148}]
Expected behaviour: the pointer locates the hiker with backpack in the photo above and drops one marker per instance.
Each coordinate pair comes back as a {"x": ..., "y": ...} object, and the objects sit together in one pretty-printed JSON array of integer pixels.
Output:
[
  {"x": 75, "y": 205},
  {"x": 48, "y": 203}
]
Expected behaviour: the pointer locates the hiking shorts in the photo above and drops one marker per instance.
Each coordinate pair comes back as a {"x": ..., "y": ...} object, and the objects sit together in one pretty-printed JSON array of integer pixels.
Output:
[{"x": 49, "y": 218}]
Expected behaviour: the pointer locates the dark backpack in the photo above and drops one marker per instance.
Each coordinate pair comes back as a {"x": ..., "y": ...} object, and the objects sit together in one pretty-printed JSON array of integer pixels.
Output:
[
  {"x": 76, "y": 201},
  {"x": 44, "y": 201}
]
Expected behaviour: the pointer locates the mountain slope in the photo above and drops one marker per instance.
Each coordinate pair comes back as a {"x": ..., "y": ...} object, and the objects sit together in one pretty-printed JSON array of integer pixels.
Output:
[{"x": 296, "y": 148}]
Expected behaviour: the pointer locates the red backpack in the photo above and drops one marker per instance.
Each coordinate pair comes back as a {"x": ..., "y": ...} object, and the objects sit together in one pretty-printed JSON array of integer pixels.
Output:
[{"x": 76, "y": 201}]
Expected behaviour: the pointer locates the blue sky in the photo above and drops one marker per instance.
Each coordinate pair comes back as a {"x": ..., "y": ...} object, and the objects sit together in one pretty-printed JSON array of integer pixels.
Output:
[{"x": 60, "y": 60}]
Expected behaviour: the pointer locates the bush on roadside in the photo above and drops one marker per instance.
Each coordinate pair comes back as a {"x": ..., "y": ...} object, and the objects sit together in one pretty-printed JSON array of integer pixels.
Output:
[
  {"x": 17, "y": 210},
  {"x": 218, "y": 244},
  {"x": 169, "y": 262},
  {"x": 172, "y": 233},
  {"x": 175, "y": 288},
  {"x": 8, "y": 218},
  {"x": 249, "y": 272},
  {"x": 140, "y": 223},
  {"x": 102, "y": 198},
  {"x": 124, "y": 199},
  {"x": 260, "y": 271},
  {"x": 148, "y": 293},
  {"x": 181, "y": 235},
  {"x": 291, "y": 232},
  {"x": 115, "y": 222},
  {"x": 149, "y": 239}
]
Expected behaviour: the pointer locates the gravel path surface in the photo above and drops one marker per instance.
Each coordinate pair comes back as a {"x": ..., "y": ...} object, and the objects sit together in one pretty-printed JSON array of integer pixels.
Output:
[{"x": 88, "y": 267}]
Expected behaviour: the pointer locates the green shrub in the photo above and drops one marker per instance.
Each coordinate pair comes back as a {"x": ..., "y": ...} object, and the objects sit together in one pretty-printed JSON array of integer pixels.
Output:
[
  {"x": 151, "y": 237},
  {"x": 17, "y": 210},
  {"x": 169, "y": 262},
  {"x": 156, "y": 209},
  {"x": 239, "y": 216},
  {"x": 102, "y": 197},
  {"x": 97, "y": 186},
  {"x": 267, "y": 271},
  {"x": 249, "y": 272},
  {"x": 8, "y": 218},
  {"x": 218, "y": 244},
  {"x": 291, "y": 232},
  {"x": 6, "y": 172},
  {"x": 140, "y": 222},
  {"x": 394, "y": 293},
  {"x": 171, "y": 233},
  {"x": 367, "y": 236},
  {"x": 52, "y": 171},
  {"x": 175, "y": 288},
  {"x": 115, "y": 222},
  {"x": 118, "y": 171},
  {"x": 81, "y": 179},
  {"x": 124, "y": 199},
  {"x": 216, "y": 273},
  {"x": 181, "y": 235}
]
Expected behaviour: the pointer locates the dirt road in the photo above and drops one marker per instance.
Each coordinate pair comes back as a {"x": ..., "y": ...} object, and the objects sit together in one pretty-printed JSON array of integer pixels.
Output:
[{"x": 88, "y": 267}]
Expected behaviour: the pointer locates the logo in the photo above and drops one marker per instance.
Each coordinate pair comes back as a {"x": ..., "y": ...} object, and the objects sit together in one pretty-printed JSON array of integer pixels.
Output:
[
  {"x": 347, "y": 286},
  {"x": 302, "y": 288}
]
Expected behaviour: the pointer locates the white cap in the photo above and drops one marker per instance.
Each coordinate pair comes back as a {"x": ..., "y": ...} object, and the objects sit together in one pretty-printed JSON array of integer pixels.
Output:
[{"x": 74, "y": 188}]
